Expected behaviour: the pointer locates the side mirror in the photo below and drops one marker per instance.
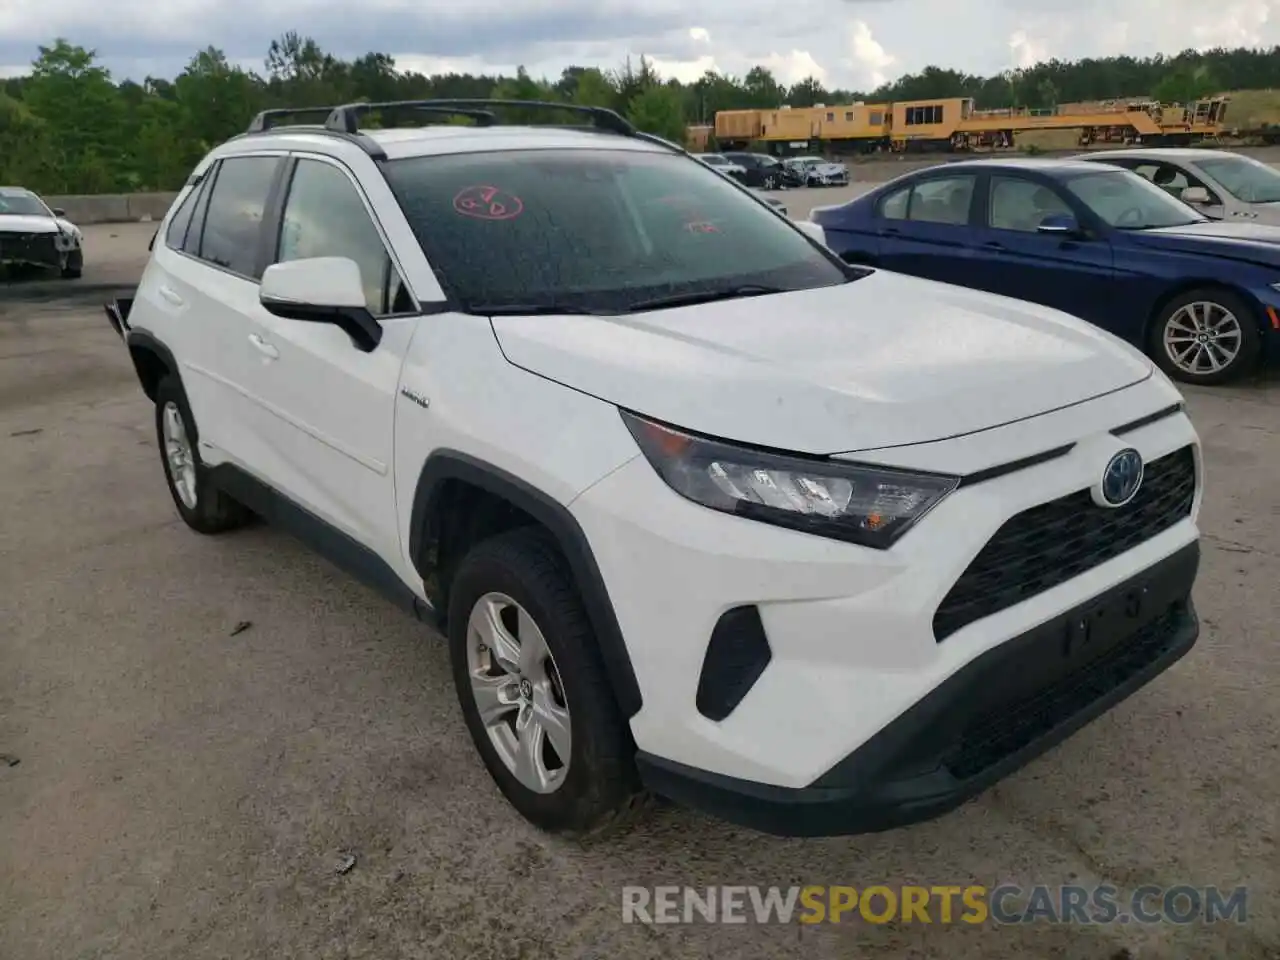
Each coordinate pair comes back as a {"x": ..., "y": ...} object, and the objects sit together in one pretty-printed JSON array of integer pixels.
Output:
[
  {"x": 321, "y": 290},
  {"x": 1196, "y": 195},
  {"x": 813, "y": 230},
  {"x": 1059, "y": 224},
  {"x": 59, "y": 212}
]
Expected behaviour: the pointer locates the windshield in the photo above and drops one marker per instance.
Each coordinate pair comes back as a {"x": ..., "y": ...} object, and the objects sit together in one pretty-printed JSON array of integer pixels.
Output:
[
  {"x": 1127, "y": 201},
  {"x": 714, "y": 159},
  {"x": 22, "y": 203},
  {"x": 1244, "y": 178},
  {"x": 596, "y": 230}
]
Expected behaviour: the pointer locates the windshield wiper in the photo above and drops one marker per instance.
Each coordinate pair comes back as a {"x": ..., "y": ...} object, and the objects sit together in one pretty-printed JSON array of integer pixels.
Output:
[
  {"x": 704, "y": 296},
  {"x": 535, "y": 310}
]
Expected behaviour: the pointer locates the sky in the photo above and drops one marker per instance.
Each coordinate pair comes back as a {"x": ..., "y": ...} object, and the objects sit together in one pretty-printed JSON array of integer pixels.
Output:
[{"x": 850, "y": 44}]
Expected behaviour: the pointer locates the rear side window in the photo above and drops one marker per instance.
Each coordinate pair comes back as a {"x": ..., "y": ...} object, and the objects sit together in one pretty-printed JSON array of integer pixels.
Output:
[
  {"x": 600, "y": 229},
  {"x": 233, "y": 222},
  {"x": 944, "y": 201},
  {"x": 894, "y": 206}
]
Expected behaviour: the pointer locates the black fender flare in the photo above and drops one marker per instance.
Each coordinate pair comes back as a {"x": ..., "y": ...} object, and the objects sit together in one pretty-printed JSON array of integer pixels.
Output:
[
  {"x": 444, "y": 465},
  {"x": 137, "y": 340}
]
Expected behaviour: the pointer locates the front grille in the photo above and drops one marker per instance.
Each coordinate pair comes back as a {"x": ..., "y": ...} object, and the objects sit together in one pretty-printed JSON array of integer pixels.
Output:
[
  {"x": 1000, "y": 732},
  {"x": 1049, "y": 544},
  {"x": 28, "y": 246}
]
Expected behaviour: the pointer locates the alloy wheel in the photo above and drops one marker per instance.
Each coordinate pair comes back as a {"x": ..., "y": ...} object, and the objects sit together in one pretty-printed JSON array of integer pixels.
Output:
[
  {"x": 518, "y": 692},
  {"x": 1202, "y": 338}
]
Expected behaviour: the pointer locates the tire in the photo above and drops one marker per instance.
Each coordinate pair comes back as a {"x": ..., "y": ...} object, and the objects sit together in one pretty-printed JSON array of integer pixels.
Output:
[
  {"x": 210, "y": 510},
  {"x": 1228, "y": 312},
  {"x": 75, "y": 266},
  {"x": 598, "y": 790}
]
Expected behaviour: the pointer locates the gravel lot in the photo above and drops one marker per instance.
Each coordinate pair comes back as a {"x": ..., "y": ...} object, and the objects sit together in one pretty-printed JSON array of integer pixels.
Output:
[{"x": 185, "y": 791}]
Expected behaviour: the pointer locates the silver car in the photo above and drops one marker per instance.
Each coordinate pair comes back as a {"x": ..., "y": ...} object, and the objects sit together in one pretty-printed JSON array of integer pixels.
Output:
[{"x": 1220, "y": 184}]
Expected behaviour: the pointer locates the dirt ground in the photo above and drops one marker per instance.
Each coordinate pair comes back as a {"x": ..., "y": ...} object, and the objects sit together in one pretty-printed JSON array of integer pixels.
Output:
[{"x": 205, "y": 727}]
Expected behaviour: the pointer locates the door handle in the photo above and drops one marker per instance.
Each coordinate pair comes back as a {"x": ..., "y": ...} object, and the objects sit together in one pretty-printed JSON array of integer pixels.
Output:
[
  {"x": 171, "y": 295},
  {"x": 263, "y": 347},
  {"x": 994, "y": 245},
  {"x": 892, "y": 232}
]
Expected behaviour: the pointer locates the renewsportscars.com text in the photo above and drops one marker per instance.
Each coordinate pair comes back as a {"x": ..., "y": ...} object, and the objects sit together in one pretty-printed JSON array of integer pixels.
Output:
[{"x": 1005, "y": 904}]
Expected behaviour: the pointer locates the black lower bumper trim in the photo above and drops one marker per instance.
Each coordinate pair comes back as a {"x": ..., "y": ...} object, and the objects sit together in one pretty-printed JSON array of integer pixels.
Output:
[{"x": 991, "y": 717}]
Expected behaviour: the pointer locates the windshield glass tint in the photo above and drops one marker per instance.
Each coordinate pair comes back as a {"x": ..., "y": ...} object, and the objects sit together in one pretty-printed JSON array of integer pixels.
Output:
[
  {"x": 21, "y": 203},
  {"x": 1129, "y": 202},
  {"x": 1244, "y": 178},
  {"x": 596, "y": 229}
]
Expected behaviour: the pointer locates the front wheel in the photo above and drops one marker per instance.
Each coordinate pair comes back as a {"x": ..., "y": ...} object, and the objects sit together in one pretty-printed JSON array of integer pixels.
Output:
[
  {"x": 533, "y": 689},
  {"x": 74, "y": 266},
  {"x": 1207, "y": 336}
]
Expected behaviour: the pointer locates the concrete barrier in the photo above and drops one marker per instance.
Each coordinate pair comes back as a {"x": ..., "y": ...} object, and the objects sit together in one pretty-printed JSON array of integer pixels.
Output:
[{"x": 114, "y": 207}]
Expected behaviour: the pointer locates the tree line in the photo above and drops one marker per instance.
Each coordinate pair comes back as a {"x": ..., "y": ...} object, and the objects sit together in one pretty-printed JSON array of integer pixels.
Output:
[{"x": 69, "y": 127}]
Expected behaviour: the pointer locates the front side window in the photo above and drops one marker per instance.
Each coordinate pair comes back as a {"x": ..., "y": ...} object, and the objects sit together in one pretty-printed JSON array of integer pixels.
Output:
[
  {"x": 1244, "y": 178},
  {"x": 1127, "y": 201},
  {"x": 596, "y": 229},
  {"x": 324, "y": 216},
  {"x": 233, "y": 222},
  {"x": 1018, "y": 204},
  {"x": 23, "y": 203}
]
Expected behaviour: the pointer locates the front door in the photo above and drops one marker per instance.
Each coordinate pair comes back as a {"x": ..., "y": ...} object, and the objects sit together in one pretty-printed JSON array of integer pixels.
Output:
[
  {"x": 330, "y": 407},
  {"x": 1013, "y": 258}
]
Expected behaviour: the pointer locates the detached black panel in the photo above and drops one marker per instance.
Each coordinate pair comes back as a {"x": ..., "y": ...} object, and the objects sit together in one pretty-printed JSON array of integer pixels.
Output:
[{"x": 736, "y": 657}]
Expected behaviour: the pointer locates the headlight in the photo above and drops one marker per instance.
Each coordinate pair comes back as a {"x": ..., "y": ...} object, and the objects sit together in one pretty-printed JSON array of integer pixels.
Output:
[{"x": 871, "y": 506}]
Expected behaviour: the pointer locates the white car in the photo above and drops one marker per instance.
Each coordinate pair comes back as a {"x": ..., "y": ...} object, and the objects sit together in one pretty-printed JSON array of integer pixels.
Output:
[
  {"x": 1220, "y": 184},
  {"x": 819, "y": 172},
  {"x": 702, "y": 510},
  {"x": 34, "y": 235},
  {"x": 723, "y": 165}
]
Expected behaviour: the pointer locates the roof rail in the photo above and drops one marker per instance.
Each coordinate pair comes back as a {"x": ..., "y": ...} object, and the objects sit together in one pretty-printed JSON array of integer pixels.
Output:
[
  {"x": 345, "y": 119},
  {"x": 266, "y": 119}
]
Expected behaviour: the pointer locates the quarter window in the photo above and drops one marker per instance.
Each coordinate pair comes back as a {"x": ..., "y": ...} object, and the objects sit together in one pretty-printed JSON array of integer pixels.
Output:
[
  {"x": 324, "y": 216},
  {"x": 233, "y": 223},
  {"x": 176, "y": 234}
]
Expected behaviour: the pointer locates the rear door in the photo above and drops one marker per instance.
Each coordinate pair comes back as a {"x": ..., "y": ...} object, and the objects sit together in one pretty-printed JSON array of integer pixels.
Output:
[
  {"x": 924, "y": 228},
  {"x": 202, "y": 285},
  {"x": 1012, "y": 258}
]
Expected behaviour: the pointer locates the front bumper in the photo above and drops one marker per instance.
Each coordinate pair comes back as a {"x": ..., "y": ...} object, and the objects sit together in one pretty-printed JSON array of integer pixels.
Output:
[
  {"x": 34, "y": 249},
  {"x": 993, "y": 716},
  {"x": 853, "y": 642}
]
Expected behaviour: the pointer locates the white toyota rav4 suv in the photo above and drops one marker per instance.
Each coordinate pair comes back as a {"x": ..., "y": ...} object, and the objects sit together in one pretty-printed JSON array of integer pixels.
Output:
[{"x": 704, "y": 512}]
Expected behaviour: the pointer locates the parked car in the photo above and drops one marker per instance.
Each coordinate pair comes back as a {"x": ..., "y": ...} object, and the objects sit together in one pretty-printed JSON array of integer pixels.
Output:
[
  {"x": 817, "y": 172},
  {"x": 1099, "y": 242},
  {"x": 701, "y": 509},
  {"x": 722, "y": 164},
  {"x": 34, "y": 235},
  {"x": 1220, "y": 184},
  {"x": 764, "y": 171}
]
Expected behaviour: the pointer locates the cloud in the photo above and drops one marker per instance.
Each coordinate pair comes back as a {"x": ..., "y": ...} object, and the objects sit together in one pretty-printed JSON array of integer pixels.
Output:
[{"x": 854, "y": 44}]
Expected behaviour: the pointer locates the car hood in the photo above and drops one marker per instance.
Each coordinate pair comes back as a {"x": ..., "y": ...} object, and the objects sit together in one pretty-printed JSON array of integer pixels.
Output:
[
  {"x": 22, "y": 223},
  {"x": 829, "y": 167},
  {"x": 1252, "y": 240},
  {"x": 887, "y": 360}
]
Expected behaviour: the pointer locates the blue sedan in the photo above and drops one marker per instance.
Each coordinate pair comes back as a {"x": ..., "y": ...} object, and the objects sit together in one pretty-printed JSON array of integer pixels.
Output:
[{"x": 1201, "y": 297}]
